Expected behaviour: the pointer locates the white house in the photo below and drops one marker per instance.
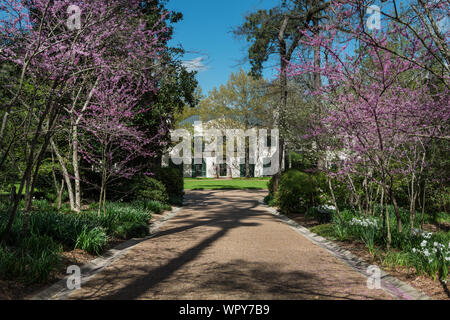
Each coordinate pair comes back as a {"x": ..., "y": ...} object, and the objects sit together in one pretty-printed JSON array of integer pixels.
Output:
[{"x": 264, "y": 162}]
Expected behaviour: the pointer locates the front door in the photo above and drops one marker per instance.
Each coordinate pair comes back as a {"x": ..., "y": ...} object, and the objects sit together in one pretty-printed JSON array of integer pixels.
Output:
[{"x": 223, "y": 170}]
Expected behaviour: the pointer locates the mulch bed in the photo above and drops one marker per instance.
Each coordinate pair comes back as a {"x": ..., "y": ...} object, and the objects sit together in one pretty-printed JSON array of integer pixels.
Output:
[{"x": 426, "y": 284}]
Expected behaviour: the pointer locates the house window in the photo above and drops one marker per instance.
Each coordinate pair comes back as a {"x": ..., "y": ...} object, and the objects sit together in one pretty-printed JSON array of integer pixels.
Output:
[
  {"x": 265, "y": 166},
  {"x": 199, "y": 170}
]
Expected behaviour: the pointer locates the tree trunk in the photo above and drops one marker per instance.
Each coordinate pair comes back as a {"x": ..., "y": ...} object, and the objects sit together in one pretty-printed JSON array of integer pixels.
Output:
[
  {"x": 100, "y": 200},
  {"x": 397, "y": 212},
  {"x": 60, "y": 193},
  {"x": 423, "y": 206},
  {"x": 65, "y": 175},
  {"x": 382, "y": 203},
  {"x": 355, "y": 193},
  {"x": 104, "y": 200},
  {"x": 103, "y": 184},
  {"x": 279, "y": 115},
  {"x": 59, "y": 190},
  {"x": 366, "y": 191},
  {"x": 388, "y": 229},
  {"x": 76, "y": 169},
  {"x": 412, "y": 202},
  {"x": 330, "y": 185}
]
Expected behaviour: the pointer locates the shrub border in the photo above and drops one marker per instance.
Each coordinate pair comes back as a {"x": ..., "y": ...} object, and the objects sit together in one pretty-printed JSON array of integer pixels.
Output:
[
  {"x": 59, "y": 291},
  {"x": 395, "y": 287}
]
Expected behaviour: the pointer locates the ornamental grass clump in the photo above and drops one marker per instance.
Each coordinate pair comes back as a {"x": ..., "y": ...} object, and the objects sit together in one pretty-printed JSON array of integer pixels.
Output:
[{"x": 93, "y": 241}]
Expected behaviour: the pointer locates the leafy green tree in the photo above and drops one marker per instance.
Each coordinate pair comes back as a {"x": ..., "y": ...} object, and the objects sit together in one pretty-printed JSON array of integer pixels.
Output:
[
  {"x": 277, "y": 31},
  {"x": 242, "y": 103}
]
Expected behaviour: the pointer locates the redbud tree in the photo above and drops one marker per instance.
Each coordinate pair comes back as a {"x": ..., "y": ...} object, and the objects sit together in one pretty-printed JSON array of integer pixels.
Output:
[
  {"x": 384, "y": 93},
  {"x": 67, "y": 62}
]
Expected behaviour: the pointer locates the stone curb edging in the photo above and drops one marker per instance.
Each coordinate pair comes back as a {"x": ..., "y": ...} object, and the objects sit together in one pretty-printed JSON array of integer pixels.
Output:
[
  {"x": 59, "y": 290},
  {"x": 390, "y": 284}
]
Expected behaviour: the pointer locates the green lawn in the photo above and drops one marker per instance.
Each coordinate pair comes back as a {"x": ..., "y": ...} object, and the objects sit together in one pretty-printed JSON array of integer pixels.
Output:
[{"x": 214, "y": 184}]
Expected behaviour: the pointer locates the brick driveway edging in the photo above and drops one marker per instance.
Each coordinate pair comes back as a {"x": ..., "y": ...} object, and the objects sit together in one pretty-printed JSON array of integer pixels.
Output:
[{"x": 390, "y": 284}]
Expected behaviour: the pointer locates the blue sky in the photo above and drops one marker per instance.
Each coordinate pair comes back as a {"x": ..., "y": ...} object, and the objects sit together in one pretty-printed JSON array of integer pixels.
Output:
[{"x": 205, "y": 33}]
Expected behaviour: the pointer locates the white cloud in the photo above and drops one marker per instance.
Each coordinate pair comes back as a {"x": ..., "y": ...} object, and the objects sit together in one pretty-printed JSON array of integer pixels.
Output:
[{"x": 197, "y": 64}]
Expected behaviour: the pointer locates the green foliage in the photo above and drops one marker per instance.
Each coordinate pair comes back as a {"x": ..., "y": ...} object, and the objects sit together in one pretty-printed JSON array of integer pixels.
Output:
[
  {"x": 172, "y": 178},
  {"x": 16, "y": 229},
  {"x": 320, "y": 213},
  {"x": 261, "y": 29},
  {"x": 428, "y": 253},
  {"x": 400, "y": 189},
  {"x": 269, "y": 200},
  {"x": 341, "y": 231},
  {"x": 33, "y": 261},
  {"x": 441, "y": 217},
  {"x": 44, "y": 183},
  {"x": 36, "y": 258},
  {"x": 341, "y": 193},
  {"x": 155, "y": 206},
  {"x": 9, "y": 264},
  {"x": 92, "y": 241},
  {"x": 302, "y": 162},
  {"x": 397, "y": 258},
  {"x": 324, "y": 230},
  {"x": 365, "y": 229},
  {"x": 152, "y": 189},
  {"x": 440, "y": 199},
  {"x": 271, "y": 187},
  {"x": 132, "y": 229},
  {"x": 67, "y": 228},
  {"x": 64, "y": 228},
  {"x": 431, "y": 257},
  {"x": 119, "y": 214},
  {"x": 296, "y": 192}
]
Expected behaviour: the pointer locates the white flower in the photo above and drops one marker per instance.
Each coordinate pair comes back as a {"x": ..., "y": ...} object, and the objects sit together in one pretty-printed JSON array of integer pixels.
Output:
[
  {"x": 327, "y": 207},
  {"x": 426, "y": 253},
  {"x": 414, "y": 250},
  {"x": 423, "y": 244}
]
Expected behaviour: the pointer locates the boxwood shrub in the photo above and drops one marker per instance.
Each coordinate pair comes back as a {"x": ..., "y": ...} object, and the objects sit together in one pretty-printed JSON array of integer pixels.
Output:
[{"x": 296, "y": 192}]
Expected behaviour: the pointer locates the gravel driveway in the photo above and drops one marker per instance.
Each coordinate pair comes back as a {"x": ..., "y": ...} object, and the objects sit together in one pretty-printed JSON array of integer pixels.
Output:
[{"x": 225, "y": 245}]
